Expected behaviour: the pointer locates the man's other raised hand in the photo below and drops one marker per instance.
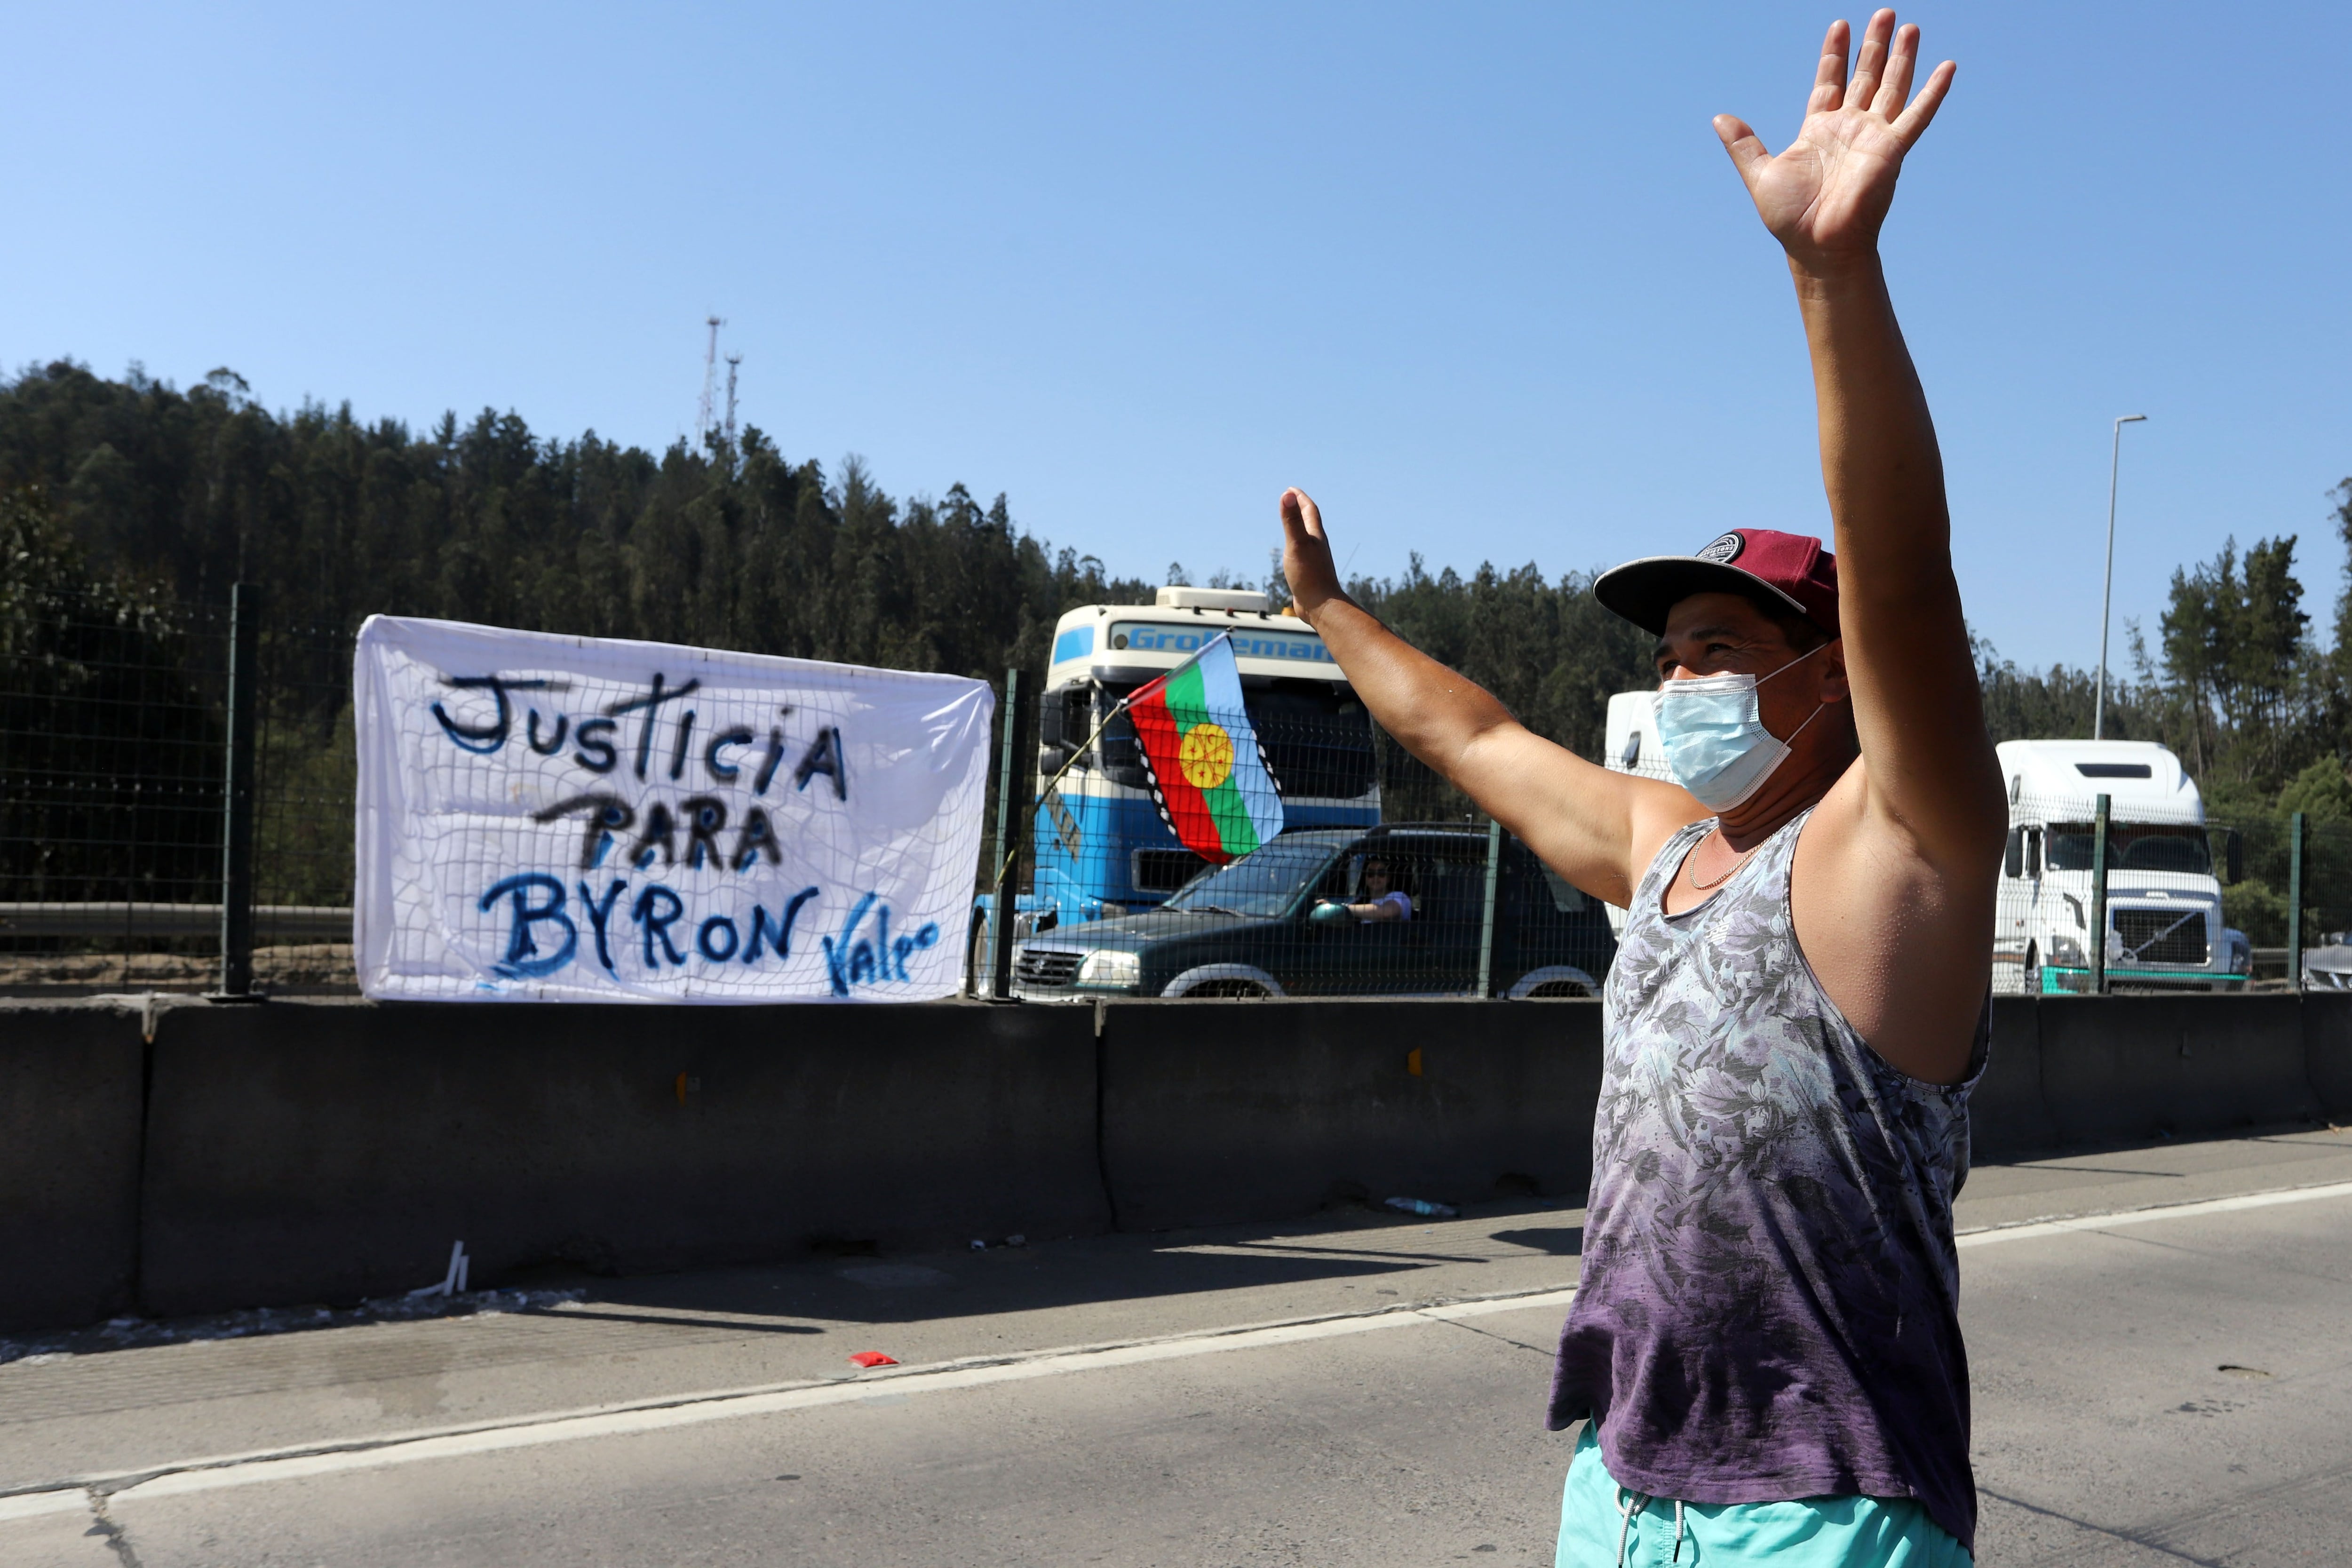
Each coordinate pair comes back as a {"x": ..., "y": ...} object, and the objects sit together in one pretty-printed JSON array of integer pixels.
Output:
[
  {"x": 1826, "y": 193},
  {"x": 1307, "y": 556}
]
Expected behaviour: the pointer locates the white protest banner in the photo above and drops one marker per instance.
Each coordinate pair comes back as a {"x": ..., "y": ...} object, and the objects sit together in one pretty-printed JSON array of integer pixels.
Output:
[{"x": 584, "y": 819}]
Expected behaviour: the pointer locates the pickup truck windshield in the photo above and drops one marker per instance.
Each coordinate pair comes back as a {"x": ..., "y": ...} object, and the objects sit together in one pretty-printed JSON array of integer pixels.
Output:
[
  {"x": 1262, "y": 883},
  {"x": 2132, "y": 846}
]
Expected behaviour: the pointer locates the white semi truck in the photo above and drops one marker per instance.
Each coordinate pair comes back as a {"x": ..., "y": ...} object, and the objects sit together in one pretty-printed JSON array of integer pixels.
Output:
[
  {"x": 1631, "y": 743},
  {"x": 2164, "y": 929}
]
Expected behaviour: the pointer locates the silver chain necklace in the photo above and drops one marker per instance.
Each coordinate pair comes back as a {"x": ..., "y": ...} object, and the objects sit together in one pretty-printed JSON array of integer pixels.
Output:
[{"x": 1700, "y": 886}]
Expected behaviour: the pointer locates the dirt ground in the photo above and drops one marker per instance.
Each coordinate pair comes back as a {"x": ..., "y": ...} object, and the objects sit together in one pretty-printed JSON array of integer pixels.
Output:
[{"x": 311, "y": 968}]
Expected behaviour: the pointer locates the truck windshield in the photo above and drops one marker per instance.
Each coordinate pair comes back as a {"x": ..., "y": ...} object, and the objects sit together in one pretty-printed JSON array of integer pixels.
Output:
[
  {"x": 1317, "y": 739},
  {"x": 1262, "y": 883},
  {"x": 2132, "y": 846}
]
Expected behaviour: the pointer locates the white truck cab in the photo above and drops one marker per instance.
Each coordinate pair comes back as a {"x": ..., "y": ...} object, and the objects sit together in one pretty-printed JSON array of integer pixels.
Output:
[
  {"x": 2164, "y": 904},
  {"x": 1631, "y": 744},
  {"x": 2163, "y": 930}
]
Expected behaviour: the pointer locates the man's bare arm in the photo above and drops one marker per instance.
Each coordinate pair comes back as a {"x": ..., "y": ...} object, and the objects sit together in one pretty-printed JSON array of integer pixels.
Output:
[
  {"x": 1583, "y": 821},
  {"x": 1892, "y": 888},
  {"x": 1927, "y": 768}
]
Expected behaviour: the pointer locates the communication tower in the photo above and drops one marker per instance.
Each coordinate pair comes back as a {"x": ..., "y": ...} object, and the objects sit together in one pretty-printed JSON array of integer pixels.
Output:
[
  {"x": 709, "y": 384},
  {"x": 733, "y": 361}
]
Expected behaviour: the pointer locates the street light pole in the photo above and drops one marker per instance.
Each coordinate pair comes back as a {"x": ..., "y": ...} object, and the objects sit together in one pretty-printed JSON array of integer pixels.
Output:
[{"x": 2107, "y": 592}]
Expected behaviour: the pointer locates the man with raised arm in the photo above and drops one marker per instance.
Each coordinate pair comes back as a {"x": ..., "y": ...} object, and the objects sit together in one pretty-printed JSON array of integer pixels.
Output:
[{"x": 1764, "y": 1345}]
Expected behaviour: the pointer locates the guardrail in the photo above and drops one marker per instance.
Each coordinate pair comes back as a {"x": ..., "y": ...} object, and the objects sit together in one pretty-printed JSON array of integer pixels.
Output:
[{"x": 287, "y": 923}]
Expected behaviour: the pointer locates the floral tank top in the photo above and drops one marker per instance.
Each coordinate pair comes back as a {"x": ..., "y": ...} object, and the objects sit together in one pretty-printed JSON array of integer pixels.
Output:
[{"x": 1769, "y": 1308}]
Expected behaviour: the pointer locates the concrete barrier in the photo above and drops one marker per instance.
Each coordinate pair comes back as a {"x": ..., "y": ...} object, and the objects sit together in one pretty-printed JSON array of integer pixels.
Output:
[
  {"x": 2328, "y": 1051},
  {"x": 306, "y": 1153},
  {"x": 1219, "y": 1113},
  {"x": 2121, "y": 1068},
  {"x": 70, "y": 1077},
  {"x": 303, "y": 1152},
  {"x": 2007, "y": 1116}
]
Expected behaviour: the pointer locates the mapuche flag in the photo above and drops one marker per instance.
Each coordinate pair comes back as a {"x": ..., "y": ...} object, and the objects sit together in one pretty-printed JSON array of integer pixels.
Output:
[{"x": 1208, "y": 775}]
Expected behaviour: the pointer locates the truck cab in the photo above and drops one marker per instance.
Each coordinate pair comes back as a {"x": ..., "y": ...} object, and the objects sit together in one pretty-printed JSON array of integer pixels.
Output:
[
  {"x": 2163, "y": 928},
  {"x": 1102, "y": 849},
  {"x": 1631, "y": 744}
]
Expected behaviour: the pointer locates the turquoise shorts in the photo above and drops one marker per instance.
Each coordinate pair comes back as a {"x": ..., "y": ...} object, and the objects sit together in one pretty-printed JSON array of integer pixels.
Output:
[{"x": 1596, "y": 1516}]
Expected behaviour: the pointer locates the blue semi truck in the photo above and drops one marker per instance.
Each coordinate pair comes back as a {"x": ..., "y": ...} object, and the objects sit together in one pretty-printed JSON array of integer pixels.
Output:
[{"x": 1101, "y": 847}]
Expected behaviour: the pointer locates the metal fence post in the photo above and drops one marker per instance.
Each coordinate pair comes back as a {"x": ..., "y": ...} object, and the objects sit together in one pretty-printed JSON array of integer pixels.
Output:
[
  {"x": 2295, "y": 903},
  {"x": 1008, "y": 860},
  {"x": 2098, "y": 932},
  {"x": 236, "y": 795},
  {"x": 1486, "y": 918}
]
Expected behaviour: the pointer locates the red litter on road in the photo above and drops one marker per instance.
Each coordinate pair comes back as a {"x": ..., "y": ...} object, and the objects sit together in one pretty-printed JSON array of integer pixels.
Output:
[{"x": 873, "y": 1358}]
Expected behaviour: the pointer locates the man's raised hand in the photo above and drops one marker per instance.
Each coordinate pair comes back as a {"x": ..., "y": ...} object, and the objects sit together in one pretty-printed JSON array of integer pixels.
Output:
[
  {"x": 1306, "y": 554},
  {"x": 1826, "y": 193}
]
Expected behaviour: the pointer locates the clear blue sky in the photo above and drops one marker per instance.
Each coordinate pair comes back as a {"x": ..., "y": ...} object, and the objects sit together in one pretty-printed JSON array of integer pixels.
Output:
[{"x": 1479, "y": 277}]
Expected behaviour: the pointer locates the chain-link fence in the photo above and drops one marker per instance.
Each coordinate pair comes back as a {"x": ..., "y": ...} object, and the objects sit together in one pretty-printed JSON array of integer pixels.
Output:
[
  {"x": 175, "y": 799},
  {"x": 176, "y": 793},
  {"x": 2286, "y": 883},
  {"x": 1381, "y": 880}
]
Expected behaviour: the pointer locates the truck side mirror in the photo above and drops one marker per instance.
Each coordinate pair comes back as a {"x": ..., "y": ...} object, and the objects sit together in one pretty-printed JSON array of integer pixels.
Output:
[
  {"x": 2233, "y": 855},
  {"x": 2012, "y": 859}
]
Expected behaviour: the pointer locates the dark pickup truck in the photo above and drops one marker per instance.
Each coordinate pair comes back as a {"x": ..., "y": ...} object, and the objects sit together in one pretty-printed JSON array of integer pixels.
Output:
[{"x": 1250, "y": 928}]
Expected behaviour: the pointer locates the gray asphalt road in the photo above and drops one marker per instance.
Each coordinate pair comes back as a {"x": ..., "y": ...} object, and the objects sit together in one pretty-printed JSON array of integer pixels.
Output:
[{"x": 2168, "y": 1386}]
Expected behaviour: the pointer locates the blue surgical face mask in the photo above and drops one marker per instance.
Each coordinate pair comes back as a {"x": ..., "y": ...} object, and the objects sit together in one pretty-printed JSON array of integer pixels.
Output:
[{"x": 1716, "y": 744}]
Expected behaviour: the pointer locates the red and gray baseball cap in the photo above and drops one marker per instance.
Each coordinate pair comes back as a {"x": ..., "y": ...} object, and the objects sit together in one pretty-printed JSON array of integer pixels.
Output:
[{"x": 1791, "y": 568}]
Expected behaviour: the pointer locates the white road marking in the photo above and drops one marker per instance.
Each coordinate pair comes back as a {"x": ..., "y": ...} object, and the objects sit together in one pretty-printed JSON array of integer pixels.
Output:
[
  {"x": 402, "y": 1449},
  {"x": 2042, "y": 1227},
  {"x": 249, "y": 1470}
]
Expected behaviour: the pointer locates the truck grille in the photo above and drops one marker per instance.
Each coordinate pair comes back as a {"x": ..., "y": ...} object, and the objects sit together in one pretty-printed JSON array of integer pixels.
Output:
[
  {"x": 1046, "y": 966},
  {"x": 2163, "y": 936}
]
